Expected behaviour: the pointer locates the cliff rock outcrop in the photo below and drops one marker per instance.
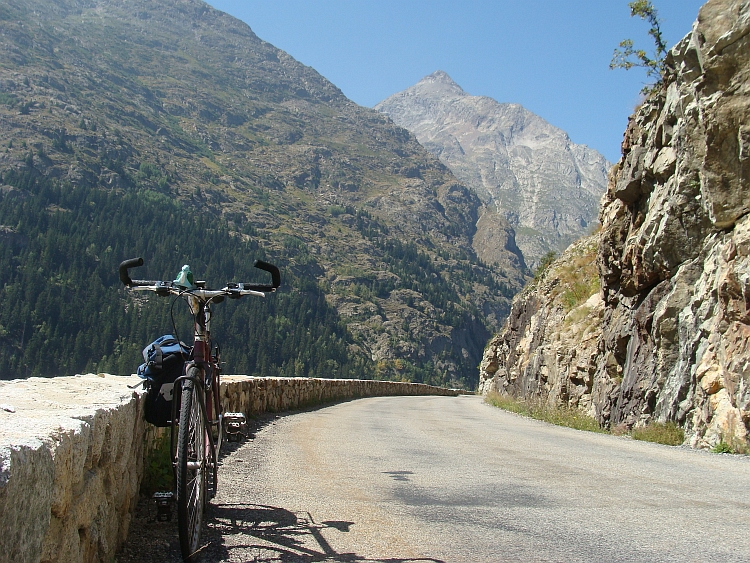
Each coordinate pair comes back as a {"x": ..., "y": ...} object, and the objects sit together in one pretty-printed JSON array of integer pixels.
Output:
[
  {"x": 548, "y": 347},
  {"x": 673, "y": 259}
]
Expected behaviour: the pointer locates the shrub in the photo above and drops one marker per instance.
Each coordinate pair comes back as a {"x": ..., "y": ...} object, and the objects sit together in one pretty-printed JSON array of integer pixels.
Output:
[
  {"x": 545, "y": 263},
  {"x": 336, "y": 210},
  {"x": 8, "y": 99},
  {"x": 627, "y": 57},
  {"x": 722, "y": 448},
  {"x": 731, "y": 447}
]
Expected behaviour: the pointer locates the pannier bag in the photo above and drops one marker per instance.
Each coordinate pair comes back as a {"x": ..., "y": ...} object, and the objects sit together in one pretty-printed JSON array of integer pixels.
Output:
[{"x": 164, "y": 362}]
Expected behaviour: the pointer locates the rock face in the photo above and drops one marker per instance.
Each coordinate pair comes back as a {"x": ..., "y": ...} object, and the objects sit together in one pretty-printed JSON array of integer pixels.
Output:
[
  {"x": 673, "y": 257},
  {"x": 527, "y": 172},
  {"x": 548, "y": 347}
]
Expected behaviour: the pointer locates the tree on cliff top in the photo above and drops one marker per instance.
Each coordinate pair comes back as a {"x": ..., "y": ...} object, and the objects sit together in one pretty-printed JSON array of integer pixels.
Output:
[{"x": 627, "y": 57}]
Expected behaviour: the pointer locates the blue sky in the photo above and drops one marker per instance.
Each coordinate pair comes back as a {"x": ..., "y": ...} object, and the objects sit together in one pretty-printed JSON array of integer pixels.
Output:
[{"x": 551, "y": 56}]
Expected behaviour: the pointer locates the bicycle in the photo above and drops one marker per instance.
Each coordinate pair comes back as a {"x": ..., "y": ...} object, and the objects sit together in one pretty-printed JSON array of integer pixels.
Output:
[{"x": 197, "y": 422}]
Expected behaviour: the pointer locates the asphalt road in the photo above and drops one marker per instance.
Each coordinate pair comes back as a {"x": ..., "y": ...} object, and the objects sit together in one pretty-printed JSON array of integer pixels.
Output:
[{"x": 452, "y": 479}]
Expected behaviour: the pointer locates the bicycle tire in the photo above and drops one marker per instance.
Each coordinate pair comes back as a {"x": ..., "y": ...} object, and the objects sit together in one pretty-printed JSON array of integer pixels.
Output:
[{"x": 191, "y": 469}]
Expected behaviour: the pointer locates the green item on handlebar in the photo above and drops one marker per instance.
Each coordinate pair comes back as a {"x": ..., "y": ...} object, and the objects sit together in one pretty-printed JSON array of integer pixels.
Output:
[{"x": 185, "y": 278}]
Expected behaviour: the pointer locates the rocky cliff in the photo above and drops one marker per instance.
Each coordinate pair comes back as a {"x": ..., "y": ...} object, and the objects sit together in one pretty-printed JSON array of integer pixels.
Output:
[
  {"x": 528, "y": 173},
  {"x": 547, "y": 349},
  {"x": 666, "y": 337}
]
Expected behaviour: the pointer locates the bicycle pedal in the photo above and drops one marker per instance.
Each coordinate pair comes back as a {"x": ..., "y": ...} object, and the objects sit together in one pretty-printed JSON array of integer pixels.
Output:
[
  {"x": 235, "y": 424},
  {"x": 164, "y": 502}
]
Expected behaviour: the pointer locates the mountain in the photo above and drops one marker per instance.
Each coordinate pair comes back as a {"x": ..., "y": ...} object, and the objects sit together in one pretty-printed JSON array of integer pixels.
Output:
[
  {"x": 528, "y": 174},
  {"x": 658, "y": 331},
  {"x": 170, "y": 130}
]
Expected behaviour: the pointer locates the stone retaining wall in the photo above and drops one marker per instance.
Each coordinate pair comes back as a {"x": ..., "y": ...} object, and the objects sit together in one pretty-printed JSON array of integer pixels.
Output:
[
  {"x": 257, "y": 395},
  {"x": 72, "y": 448}
]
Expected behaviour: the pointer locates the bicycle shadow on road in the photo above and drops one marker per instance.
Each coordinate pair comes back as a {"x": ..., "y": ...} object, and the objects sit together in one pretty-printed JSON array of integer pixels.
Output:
[{"x": 248, "y": 532}]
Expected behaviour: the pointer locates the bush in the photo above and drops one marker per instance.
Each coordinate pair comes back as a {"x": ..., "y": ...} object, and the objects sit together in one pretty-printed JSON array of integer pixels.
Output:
[
  {"x": 731, "y": 447},
  {"x": 545, "y": 263},
  {"x": 722, "y": 448},
  {"x": 8, "y": 100},
  {"x": 336, "y": 210}
]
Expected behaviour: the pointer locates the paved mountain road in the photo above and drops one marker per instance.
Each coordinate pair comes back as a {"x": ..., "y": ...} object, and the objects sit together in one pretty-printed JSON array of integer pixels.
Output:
[{"x": 452, "y": 479}]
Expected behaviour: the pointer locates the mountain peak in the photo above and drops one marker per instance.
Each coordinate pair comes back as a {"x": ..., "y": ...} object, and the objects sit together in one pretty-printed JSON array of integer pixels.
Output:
[
  {"x": 513, "y": 160},
  {"x": 438, "y": 83},
  {"x": 440, "y": 77}
]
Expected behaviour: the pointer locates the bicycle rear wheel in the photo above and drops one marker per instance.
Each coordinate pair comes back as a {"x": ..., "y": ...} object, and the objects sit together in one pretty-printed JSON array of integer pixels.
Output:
[{"x": 191, "y": 469}]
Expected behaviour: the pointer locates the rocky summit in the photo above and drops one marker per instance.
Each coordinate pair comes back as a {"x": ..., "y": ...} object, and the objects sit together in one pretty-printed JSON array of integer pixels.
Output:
[
  {"x": 529, "y": 175},
  {"x": 118, "y": 120},
  {"x": 661, "y": 331}
]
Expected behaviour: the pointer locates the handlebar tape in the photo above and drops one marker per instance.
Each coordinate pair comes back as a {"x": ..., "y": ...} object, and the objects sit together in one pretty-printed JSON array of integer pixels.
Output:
[
  {"x": 125, "y": 266},
  {"x": 275, "y": 276}
]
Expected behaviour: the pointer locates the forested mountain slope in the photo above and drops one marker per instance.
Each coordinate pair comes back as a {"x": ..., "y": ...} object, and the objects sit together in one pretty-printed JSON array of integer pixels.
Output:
[{"x": 137, "y": 128}]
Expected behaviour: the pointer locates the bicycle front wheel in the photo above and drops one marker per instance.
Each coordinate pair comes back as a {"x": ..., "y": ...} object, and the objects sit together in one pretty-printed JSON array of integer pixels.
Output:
[{"x": 191, "y": 469}]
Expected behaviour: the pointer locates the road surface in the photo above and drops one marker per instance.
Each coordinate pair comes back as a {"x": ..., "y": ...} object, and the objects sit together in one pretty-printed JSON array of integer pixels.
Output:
[{"x": 452, "y": 479}]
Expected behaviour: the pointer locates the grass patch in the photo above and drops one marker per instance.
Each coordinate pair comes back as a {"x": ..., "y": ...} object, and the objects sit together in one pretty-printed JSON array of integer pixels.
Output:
[
  {"x": 577, "y": 315},
  {"x": 527, "y": 232},
  {"x": 580, "y": 290},
  {"x": 667, "y": 433},
  {"x": 575, "y": 274},
  {"x": 560, "y": 416}
]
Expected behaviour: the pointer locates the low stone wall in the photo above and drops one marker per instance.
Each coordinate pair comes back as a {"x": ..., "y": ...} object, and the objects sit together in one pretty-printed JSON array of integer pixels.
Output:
[
  {"x": 257, "y": 395},
  {"x": 72, "y": 448}
]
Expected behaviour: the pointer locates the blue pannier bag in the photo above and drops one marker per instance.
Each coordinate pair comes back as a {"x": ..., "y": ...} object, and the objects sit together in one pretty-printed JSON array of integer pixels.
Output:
[{"x": 164, "y": 362}]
